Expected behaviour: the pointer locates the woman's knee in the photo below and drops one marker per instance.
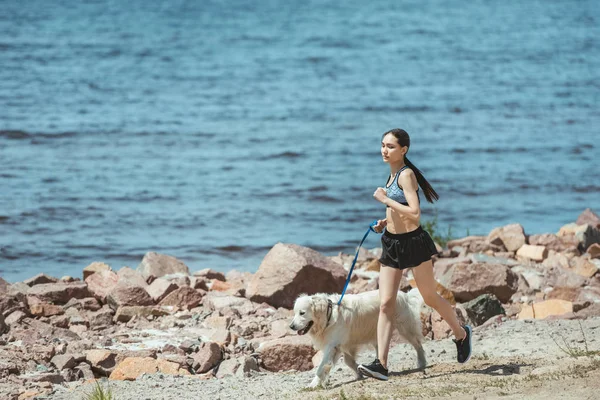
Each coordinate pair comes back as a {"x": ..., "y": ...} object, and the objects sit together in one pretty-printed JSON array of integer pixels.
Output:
[{"x": 387, "y": 305}]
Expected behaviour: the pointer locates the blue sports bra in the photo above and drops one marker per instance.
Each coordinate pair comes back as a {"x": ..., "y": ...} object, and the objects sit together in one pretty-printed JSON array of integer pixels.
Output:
[{"x": 395, "y": 192}]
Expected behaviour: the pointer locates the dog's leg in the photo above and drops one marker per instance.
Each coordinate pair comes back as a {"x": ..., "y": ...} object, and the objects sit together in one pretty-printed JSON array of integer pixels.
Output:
[
  {"x": 330, "y": 355},
  {"x": 421, "y": 358},
  {"x": 351, "y": 363}
]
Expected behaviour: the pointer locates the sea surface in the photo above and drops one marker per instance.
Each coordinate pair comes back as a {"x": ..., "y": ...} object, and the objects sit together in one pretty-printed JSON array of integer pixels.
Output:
[{"x": 211, "y": 130}]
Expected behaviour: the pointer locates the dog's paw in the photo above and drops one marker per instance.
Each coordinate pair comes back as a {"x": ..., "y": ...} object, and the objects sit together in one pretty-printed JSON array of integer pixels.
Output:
[{"x": 316, "y": 383}]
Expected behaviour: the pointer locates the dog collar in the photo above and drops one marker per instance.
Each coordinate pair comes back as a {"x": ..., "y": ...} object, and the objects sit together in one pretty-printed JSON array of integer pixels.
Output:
[{"x": 329, "y": 311}]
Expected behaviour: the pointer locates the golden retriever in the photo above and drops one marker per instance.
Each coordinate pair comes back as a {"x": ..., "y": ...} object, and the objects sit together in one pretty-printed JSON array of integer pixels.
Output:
[{"x": 344, "y": 329}]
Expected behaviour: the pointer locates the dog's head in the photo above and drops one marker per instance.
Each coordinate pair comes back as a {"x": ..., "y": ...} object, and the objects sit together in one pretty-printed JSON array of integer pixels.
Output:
[{"x": 310, "y": 312}]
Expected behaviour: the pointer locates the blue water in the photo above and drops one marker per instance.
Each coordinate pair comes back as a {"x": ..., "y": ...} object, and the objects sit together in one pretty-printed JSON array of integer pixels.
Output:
[{"x": 211, "y": 130}]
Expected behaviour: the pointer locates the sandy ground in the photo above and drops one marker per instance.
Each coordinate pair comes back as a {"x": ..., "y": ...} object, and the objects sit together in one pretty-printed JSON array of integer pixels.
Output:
[{"x": 513, "y": 360}]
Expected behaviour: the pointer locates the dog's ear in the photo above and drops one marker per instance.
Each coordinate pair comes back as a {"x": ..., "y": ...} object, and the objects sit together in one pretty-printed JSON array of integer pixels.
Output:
[{"x": 319, "y": 312}]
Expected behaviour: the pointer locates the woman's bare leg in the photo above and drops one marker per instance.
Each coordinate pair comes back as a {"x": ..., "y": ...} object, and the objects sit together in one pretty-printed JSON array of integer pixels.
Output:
[
  {"x": 389, "y": 280},
  {"x": 426, "y": 284}
]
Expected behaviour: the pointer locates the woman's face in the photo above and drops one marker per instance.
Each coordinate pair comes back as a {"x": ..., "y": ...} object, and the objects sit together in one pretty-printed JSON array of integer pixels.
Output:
[{"x": 391, "y": 151}]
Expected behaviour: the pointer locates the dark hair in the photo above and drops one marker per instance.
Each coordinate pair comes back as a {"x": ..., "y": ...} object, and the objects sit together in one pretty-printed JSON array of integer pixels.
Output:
[{"x": 404, "y": 140}]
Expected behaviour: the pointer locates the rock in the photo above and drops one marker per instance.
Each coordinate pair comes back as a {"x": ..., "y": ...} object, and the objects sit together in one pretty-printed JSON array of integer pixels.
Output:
[
  {"x": 132, "y": 367},
  {"x": 534, "y": 279},
  {"x": 218, "y": 322},
  {"x": 594, "y": 250},
  {"x": 84, "y": 371},
  {"x": 93, "y": 268},
  {"x": 3, "y": 326},
  {"x": 221, "y": 336},
  {"x": 100, "y": 283},
  {"x": 546, "y": 308},
  {"x": 289, "y": 270},
  {"x": 555, "y": 259},
  {"x": 586, "y": 235},
  {"x": 160, "y": 288},
  {"x": 484, "y": 258},
  {"x": 157, "y": 265},
  {"x": 102, "y": 361},
  {"x": 564, "y": 293},
  {"x": 441, "y": 329},
  {"x": 227, "y": 368},
  {"x": 51, "y": 377},
  {"x": 535, "y": 253},
  {"x": 40, "y": 279},
  {"x": 441, "y": 265},
  {"x": 15, "y": 317},
  {"x": 292, "y": 352},
  {"x": 220, "y": 286},
  {"x": 512, "y": 236},
  {"x": 207, "y": 357},
  {"x": 247, "y": 365},
  {"x": 210, "y": 274},
  {"x": 483, "y": 308},
  {"x": 126, "y": 313},
  {"x": 440, "y": 289},
  {"x": 592, "y": 311},
  {"x": 132, "y": 277},
  {"x": 553, "y": 242},
  {"x": 583, "y": 266},
  {"x": 45, "y": 310},
  {"x": 467, "y": 281},
  {"x": 57, "y": 293},
  {"x": 88, "y": 303},
  {"x": 588, "y": 217},
  {"x": 63, "y": 361},
  {"x": 219, "y": 301},
  {"x": 3, "y": 287},
  {"x": 184, "y": 297},
  {"x": 124, "y": 294},
  {"x": 101, "y": 319}
]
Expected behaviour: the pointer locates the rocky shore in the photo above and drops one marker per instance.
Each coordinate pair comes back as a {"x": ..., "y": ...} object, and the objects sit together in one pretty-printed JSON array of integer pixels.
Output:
[{"x": 160, "y": 331}]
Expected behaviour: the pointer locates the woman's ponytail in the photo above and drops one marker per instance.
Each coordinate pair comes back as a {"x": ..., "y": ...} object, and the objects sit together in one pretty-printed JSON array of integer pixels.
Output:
[
  {"x": 404, "y": 140},
  {"x": 430, "y": 194}
]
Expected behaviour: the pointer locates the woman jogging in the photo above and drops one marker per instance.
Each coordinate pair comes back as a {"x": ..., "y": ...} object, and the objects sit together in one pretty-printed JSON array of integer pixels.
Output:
[{"x": 406, "y": 245}]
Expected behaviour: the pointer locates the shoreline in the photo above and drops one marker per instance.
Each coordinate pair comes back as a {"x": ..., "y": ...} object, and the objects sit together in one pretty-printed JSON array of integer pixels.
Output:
[{"x": 161, "y": 328}]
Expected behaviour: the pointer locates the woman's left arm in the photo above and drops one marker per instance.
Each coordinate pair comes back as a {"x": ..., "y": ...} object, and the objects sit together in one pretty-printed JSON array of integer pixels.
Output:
[{"x": 408, "y": 181}]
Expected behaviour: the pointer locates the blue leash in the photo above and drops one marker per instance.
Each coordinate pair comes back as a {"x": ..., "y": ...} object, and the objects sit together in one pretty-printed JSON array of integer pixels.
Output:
[{"x": 355, "y": 257}]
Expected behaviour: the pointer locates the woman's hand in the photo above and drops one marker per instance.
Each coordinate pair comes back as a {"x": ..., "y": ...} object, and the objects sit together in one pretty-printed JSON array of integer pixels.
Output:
[
  {"x": 381, "y": 223},
  {"x": 380, "y": 195}
]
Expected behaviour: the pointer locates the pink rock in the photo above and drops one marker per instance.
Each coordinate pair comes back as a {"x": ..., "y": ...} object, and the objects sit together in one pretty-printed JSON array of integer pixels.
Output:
[
  {"x": 184, "y": 297},
  {"x": 132, "y": 277},
  {"x": 546, "y": 308},
  {"x": 467, "y": 281},
  {"x": 512, "y": 236},
  {"x": 100, "y": 283},
  {"x": 45, "y": 310},
  {"x": 441, "y": 329},
  {"x": 102, "y": 361},
  {"x": 40, "y": 279},
  {"x": 441, "y": 265},
  {"x": 291, "y": 352},
  {"x": 160, "y": 288},
  {"x": 589, "y": 217},
  {"x": 289, "y": 270},
  {"x": 93, "y": 268},
  {"x": 57, "y": 293},
  {"x": 3, "y": 286},
  {"x": 124, "y": 294},
  {"x": 535, "y": 253},
  {"x": 207, "y": 357},
  {"x": 157, "y": 265},
  {"x": 219, "y": 301}
]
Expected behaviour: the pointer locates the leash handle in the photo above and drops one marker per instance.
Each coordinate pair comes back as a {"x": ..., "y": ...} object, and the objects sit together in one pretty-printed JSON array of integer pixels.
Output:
[{"x": 355, "y": 258}]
